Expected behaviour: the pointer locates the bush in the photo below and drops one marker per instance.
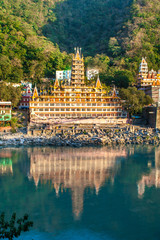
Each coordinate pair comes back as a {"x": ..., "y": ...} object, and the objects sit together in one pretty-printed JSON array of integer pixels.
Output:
[
  {"x": 135, "y": 100},
  {"x": 14, "y": 227}
]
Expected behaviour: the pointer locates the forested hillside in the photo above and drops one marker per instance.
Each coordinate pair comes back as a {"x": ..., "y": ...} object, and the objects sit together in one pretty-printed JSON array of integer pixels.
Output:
[
  {"x": 141, "y": 34},
  {"x": 34, "y": 12},
  {"x": 88, "y": 23},
  {"x": 114, "y": 35},
  {"x": 25, "y": 54}
]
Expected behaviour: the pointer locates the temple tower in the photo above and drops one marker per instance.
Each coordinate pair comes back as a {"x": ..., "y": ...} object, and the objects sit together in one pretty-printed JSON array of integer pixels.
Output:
[
  {"x": 77, "y": 76},
  {"x": 143, "y": 69}
]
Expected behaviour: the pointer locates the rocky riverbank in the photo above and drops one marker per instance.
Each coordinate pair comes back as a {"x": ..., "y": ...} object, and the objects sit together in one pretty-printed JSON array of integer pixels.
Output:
[{"x": 107, "y": 136}]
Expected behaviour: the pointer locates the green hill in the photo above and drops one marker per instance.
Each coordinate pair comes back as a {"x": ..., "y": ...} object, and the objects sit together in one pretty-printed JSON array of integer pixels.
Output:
[
  {"x": 114, "y": 33},
  {"x": 88, "y": 23},
  {"x": 25, "y": 54}
]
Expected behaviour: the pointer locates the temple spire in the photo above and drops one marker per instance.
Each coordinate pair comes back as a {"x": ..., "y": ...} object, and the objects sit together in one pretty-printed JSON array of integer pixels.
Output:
[
  {"x": 114, "y": 94},
  {"x": 77, "y": 54},
  {"x": 56, "y": 84},
  {"x": 35, "y": 92},
  {"x": 143, "y": 68},
  {"x": 98, "y": 83},
  {"x": 77, "y": 76}
]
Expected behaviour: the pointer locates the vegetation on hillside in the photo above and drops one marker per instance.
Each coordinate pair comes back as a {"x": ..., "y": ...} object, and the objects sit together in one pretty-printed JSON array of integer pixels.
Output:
[
  {"x": 10, "y": 93},
  {"x": 87, "y": 23},
  {"x": 114, "y": 33},
  {"x": 35, "y": 12},
  {"x": 141, "y": 35},
  {"x": 135, "y": 100},
  {"x": 123, "y": 31},
  {"x": 24, "y": 55}
]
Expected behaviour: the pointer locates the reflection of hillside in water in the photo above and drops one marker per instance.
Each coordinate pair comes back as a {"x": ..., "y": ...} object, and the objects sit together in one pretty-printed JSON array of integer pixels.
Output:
[
  {"x": 152, "y": 179},
  {"x": 75, "y": 169},
  {"x": 6, "y": 162}
]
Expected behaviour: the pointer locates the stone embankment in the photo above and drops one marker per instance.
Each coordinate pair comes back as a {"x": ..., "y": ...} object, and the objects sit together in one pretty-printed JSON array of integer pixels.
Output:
[{"x": 94, "y": 137}]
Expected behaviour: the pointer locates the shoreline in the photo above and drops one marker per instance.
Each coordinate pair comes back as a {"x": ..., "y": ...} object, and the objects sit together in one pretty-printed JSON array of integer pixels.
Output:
[{"x": 102, "y": 137}]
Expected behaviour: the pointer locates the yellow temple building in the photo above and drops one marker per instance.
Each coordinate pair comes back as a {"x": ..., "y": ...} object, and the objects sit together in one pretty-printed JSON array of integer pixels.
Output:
[
  {"x": 76, "y": 101},
  {"x": 149, "y": 81},
  {"x": 147, "y": 78}
]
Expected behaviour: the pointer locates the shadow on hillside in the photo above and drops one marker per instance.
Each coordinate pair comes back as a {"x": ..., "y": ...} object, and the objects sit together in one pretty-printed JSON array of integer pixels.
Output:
[{"x": 87, "y": 23}]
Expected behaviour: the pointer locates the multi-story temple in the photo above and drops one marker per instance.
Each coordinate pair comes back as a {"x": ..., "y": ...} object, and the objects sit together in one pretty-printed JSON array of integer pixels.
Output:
[
  {"x": 76, "y": 101},
  {"x": 149, "y": 81},
  {"x": 147, "y": 78}
]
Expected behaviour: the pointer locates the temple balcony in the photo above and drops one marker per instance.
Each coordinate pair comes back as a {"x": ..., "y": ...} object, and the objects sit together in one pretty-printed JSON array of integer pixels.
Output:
[
  {"x": 78, "y": 109},
  {"x": 76, "y": 77},
  {"x": 76, "y": 68},
  {"x": 77, "y": 64}
]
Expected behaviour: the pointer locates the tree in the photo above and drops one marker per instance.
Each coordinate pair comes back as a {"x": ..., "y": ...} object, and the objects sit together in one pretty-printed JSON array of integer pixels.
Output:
[
  {"x": 135, "y": 99},
  {"x": 5, "y": 67},
  {"x": 10, "y": 93},
  {"x": 123, "y": 30},
  {"x": 100, "y": 61},
  {"x": 14, "y": 227},
  {"x": 114, "y": 47},
  {"x": 123, "y": 78}
]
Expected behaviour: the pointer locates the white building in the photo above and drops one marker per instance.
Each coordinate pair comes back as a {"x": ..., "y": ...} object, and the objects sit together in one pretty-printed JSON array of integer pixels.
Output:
[
  {"x": 92, "y": 72},
  {"x": 63, "y": 75}
]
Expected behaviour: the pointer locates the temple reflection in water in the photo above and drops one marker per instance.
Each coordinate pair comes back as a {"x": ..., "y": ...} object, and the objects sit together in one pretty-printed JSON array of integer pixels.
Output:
[
  {"x": 6, "y": 162},
  {"x": 152, "y": 179},
  {"x": 75, "y": 169}
]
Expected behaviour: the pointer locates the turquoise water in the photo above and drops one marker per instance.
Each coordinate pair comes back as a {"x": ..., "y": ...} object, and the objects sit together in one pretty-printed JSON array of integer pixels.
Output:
[{"x": 83, "y": 193}]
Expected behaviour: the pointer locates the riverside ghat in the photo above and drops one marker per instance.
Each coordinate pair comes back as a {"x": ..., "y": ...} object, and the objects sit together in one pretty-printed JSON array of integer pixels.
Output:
[
  {"x": 78, "y": 136},
  {"x": 75, "y": 114}
]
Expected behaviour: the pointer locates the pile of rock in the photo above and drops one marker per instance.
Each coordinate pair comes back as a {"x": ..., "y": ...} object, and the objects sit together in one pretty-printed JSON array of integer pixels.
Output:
[{"x": 107, "y": 136}]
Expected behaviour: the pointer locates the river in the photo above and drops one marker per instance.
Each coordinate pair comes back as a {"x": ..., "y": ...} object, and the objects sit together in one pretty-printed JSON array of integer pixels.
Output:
[{"x": 90, "y": 193}]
